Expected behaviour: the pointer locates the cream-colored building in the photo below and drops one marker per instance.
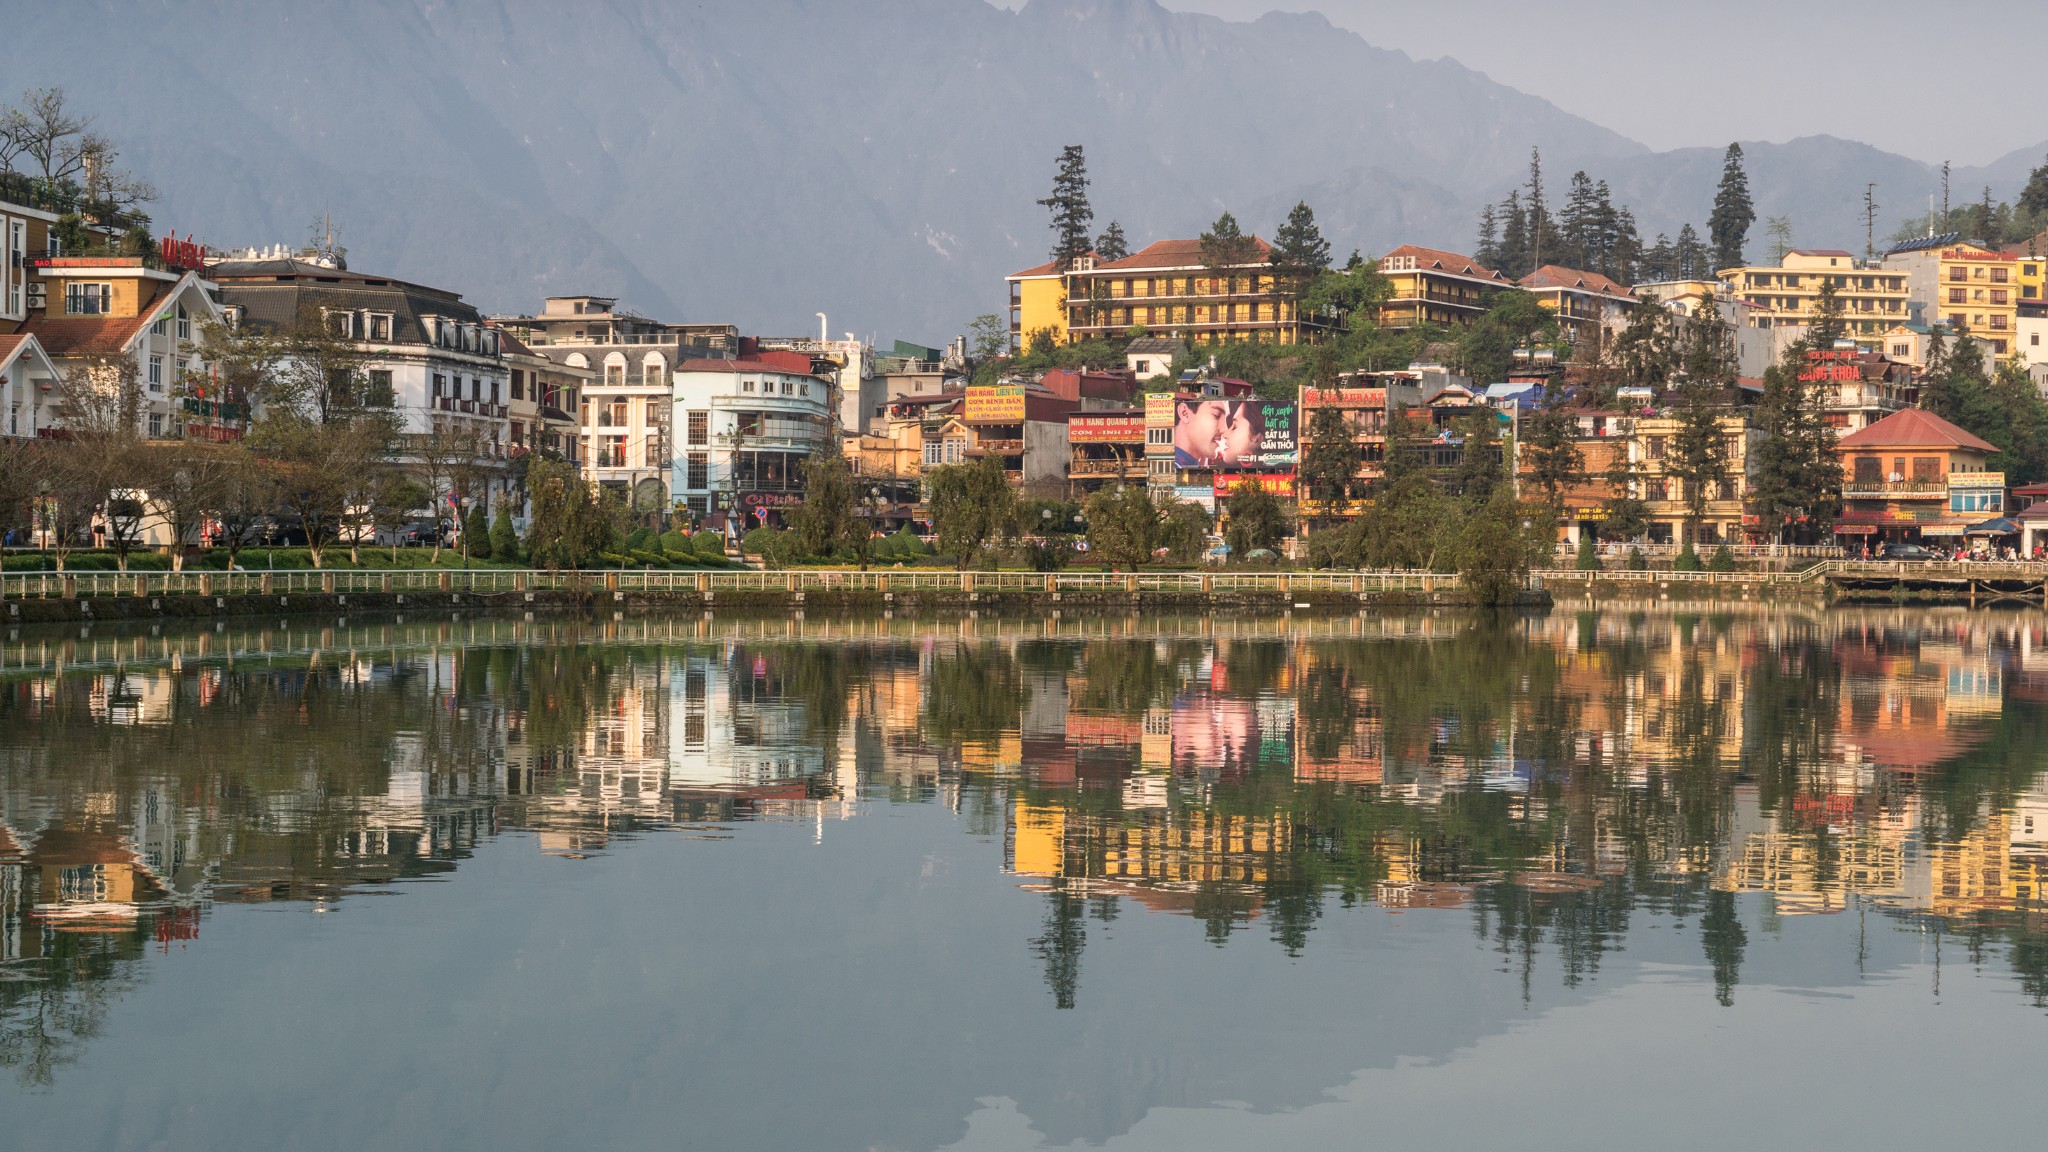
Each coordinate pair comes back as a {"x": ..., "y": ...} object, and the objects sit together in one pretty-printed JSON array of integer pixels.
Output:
[{"x": 1872, "y": 300}]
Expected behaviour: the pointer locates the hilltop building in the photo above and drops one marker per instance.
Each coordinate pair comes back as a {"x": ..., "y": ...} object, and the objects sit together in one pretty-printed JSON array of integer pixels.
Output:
[
  {"x": 1968, "y": 287},
  {"x": 1165, "y": 288},
  {"x": 1872, "y": 300}
]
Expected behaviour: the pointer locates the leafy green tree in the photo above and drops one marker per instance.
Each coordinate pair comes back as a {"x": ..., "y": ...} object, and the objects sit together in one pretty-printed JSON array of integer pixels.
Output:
[
  {"x": 1589, "y": 554},
  {"x": 1183, "y": 530},
  {"x": 1071, "y": 212},
  {"x": 1500, "y": 540},
  {"x": 1410, "y": 522},
  {"x": 988, "y": 337},
  {"x": 972, "y": 507},
  {"x": 1253, "y": 519},
  {"x": 1728, "y": 224},
  {"x": 827, "y": 520},
  {"x": 1123, "y": 525},
  {"x": 570, "y": 523},
  {"x": 1111, "y": 245},
  {"x": 1797, "y": 481}
]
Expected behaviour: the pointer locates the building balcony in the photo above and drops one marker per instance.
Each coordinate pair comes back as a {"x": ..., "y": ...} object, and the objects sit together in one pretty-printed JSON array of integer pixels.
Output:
[{"x": 1106, "y": 468}]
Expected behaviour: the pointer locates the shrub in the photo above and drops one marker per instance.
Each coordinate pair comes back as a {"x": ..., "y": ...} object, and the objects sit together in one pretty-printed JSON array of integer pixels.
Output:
[
  {"x": 1723, "y": 560},
  {"x": 476, "y": 533},
  {"x": 504, "y": 541},
  {"x": 639, "y": 539},
  {"x": 1589, "y": 554},
  {"x": 1688, "y": 560},
  {"x": 675, "y": 543},
  {"x": 1635, "y": 562},
  {"x": 710, "y": 544}
]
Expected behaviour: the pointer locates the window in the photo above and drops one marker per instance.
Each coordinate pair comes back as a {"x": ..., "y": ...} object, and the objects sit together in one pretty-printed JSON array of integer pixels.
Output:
[
  {"x": 746, "y": 385},
  {"x": 1958, "y": 274},
  {"x": 699, "y": 471},
  {"x": 615, "y": 375},
  {"x": 1998, "y": 323},
  {"x": 156, "y": 424},
  {"x": 1654, "y": 447},
  {"x": 156, "y": 373},
  {"x": 700, "y": 427},
  {"x": 381, "y": 393},
  {"x": 184, "y": 323},
  {"x": 380, "y": 326},
  {"x": 1955, "y": 321},
  {"x": 613, "y": 454},
  {"x": 615, "y": 413},
  {"x": 1926, "y": 469},
  {"x": 653, "y": 411},
  {"x": 88, "y": 299},
  {"x": 342, "y": 324},
  {"x": 1958, "y": 295},
  {"x": 788, "y": 388},
  {"x": 519, "y": 384},
  {"x": 162, "y": 327},
  {"x": 1998, "y": 295},
  {"x": 1998, "y": 275}
]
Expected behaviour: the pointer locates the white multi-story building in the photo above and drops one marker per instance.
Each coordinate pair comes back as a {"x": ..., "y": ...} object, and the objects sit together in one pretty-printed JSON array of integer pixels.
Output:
[
  {"x": 743, "y": 431},
  {"x": 442, "y": 366}
]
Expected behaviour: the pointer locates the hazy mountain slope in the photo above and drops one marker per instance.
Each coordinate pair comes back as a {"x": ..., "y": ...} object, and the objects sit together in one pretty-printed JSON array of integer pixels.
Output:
[{"x": 762, "y": 160}]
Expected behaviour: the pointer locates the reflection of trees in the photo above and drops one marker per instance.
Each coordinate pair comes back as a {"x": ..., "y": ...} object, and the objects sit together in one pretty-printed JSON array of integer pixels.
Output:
[
  {"x": 52, "y": 1004},
  {"x": 1722, "y": 936},
  {"x": 972, "y": 694},
  {"x": 1059, "y": 946}
]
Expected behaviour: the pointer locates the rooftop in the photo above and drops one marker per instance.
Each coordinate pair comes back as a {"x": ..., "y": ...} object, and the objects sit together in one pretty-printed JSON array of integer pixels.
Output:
[
  {"x": 1915, "y": 428},
  {"x": 1558, "y": 276},
  {"x": 1438, "y": 260}
]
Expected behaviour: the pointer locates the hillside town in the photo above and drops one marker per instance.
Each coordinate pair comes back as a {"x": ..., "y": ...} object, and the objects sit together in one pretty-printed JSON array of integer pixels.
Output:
[{"x": 1224, "y": 398}]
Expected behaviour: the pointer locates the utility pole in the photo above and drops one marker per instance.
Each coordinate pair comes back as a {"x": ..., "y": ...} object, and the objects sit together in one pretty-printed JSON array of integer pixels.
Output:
[{"x": 1869, "y": 222}]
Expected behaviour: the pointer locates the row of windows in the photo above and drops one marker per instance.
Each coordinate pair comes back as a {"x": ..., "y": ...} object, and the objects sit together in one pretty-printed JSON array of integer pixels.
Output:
[
  {"x": 1960, "y": 274},
  {"x": 1087, "y": 316},
  {"x": 444, "y": 386},
  {"x": 1138, "y": 288},
  {"x": 1845, "y": 283},
  {"x": 362, "y": 325},
  {"x": 1962, "y": 295},
  {"x": 1998, "y": 322}
]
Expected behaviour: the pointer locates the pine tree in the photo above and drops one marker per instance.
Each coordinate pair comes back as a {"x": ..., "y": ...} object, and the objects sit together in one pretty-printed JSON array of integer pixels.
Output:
[
  {"x": 1550, "y": 451},
  {"x": 1329, "y": 459},
  {"x": 1625, "y": 258},
  {"x": 1624, "y": 515},
  {"x": 1300, "y": 254},
  {"x": 1828, "y": 327},
  {"x": 1487, "y": 251},
  {"x": 1224, "y": 245},
  {"x": 1987, "y": 222},
  {"x": 1578, "y": 225},
  {"x": 1689, "y": 256},
  {"x": 1479, "y": 469},
  {"x": 1733, "y": 213},
  {"x": 1660, "y": 262},
  {"x": 2034, "y": 197},
  {"x": 1699, "y": 446},
  {"x": 1111, "y": 244},
  {"x": 1071, "y": 213},
  {"x": 1514, "y": 239},
  {"x": 1539, "y": 226}
]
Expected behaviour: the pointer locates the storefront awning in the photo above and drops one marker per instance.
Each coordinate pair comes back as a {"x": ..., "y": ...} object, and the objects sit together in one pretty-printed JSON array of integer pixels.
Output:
[{"x": 1996, "y": 526}]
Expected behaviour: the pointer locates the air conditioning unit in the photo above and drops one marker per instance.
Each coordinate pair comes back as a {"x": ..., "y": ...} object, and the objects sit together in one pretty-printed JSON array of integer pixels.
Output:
[{"x": 36, "y": 296}]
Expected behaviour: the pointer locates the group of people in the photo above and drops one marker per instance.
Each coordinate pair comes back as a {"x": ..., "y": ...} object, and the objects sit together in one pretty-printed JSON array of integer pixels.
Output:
[{"x": 2004, "y": 553}]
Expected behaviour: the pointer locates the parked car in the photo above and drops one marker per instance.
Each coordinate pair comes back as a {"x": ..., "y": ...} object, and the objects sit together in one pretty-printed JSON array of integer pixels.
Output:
[
  {"x": 1898, "y": 551},
  {"x": 418, "y": 534}
]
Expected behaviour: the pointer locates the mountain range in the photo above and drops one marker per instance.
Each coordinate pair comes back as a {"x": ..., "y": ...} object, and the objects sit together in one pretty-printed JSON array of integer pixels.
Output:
[{"x": 760, "y": 161}]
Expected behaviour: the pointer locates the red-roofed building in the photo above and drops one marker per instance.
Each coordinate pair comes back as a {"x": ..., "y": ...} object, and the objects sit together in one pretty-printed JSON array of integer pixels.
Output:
[
  {"x": 1432, "y": 286},
  {"x": 1588, "y": 305},
  {"x": 1915, "y": 477},
  {"x": 1168, "y": 288}
]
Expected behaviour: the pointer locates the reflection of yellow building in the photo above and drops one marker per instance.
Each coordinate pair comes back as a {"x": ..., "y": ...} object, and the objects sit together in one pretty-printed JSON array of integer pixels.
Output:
[
  {"x": 1983, "y": 873},
  {"x": 1162, "y": 847}
]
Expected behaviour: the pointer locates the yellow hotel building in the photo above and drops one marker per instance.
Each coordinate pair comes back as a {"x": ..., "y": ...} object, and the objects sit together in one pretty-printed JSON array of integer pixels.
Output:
[
  {"x": 1965, "y": 286},
  {"x": 1431, "y": 286},
  {"x": 1166, "y": 288},
  {"x": 1872, "y": 299}
]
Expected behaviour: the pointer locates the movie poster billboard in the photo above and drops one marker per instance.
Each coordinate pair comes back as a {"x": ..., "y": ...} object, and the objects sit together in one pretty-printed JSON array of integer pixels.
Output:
[{"x": 1240, "y": 435}]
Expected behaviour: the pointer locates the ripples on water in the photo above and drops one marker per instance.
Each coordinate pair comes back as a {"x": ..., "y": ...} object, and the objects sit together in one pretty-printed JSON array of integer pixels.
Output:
[{"x": 1561, "y": 788}]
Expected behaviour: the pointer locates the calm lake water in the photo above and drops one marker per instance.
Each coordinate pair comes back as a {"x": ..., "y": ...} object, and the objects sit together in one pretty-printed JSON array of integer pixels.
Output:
[{"x": 1623, "y": 879}]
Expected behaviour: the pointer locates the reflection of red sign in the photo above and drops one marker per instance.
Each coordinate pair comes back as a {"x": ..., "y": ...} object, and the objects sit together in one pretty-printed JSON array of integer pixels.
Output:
[
  {"x": 760, "y": 500},
  {"x": 184, "y": 253}
]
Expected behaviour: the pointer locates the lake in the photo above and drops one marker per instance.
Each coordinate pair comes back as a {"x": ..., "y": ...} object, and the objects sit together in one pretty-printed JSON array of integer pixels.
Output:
[{"x": 1640, "y": 877}]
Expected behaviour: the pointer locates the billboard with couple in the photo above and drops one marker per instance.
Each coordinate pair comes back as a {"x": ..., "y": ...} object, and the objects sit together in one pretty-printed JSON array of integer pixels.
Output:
[{"x": 1240, "y": 435}]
